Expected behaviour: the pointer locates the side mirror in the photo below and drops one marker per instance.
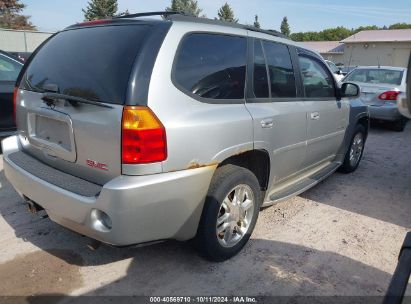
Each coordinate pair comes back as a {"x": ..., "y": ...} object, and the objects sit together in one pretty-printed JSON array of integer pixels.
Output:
[
  {"x": 350, "y": 90},
  {"x": 339, "y": 72}
]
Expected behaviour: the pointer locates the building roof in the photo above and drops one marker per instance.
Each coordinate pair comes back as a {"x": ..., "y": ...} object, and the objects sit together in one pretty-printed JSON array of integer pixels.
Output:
[
  {"x": 328, "y": 47},
  {"x": 380, "y": 36}
]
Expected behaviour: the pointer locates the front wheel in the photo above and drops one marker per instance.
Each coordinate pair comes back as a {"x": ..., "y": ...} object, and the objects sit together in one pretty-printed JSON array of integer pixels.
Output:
[
  {"x": 354, "y": 154},
  {"x": 230, "y": 213}
]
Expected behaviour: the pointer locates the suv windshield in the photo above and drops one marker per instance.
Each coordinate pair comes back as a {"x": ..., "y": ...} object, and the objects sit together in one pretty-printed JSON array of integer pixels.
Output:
[
  {"x": 376, "y": 76},
  {"x": 92, "y": 62}
]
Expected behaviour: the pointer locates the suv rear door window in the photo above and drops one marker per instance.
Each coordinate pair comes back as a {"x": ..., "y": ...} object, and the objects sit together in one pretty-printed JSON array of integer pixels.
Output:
[
  {"x": 317, "y": 80},
  {"x": 212, "y": 66},
  {"x": 282, "y": 79},
  {"x": 92, "y": 62}
]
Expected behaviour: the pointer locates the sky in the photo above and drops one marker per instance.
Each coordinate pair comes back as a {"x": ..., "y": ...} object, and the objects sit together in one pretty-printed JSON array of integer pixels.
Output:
[{"x": 303, "y": 15}]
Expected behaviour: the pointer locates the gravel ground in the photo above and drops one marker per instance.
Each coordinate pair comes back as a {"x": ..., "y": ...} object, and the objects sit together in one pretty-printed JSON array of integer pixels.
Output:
[{"x": 340, "y": 238}]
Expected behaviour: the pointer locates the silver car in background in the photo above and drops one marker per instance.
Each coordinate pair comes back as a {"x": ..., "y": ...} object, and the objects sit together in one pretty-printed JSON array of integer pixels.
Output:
[{"x": 381, "y": 88}]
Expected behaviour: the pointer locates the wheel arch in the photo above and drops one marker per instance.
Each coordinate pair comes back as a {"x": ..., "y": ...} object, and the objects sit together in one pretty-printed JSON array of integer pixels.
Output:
[{"x": 257, "y": 161}]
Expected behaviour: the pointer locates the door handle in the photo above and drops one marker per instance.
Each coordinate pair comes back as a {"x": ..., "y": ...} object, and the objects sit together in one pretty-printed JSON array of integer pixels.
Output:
[
  {"x": 315, "y": 115},
  {"x": 267, "y": 123}
]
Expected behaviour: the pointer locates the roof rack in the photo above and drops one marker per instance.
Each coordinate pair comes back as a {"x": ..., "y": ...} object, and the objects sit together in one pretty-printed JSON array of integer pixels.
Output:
[
  {"x": 183, "y": 16},
  {"x": 147, "y": 14},
  {"x": 191, "y": 18}
]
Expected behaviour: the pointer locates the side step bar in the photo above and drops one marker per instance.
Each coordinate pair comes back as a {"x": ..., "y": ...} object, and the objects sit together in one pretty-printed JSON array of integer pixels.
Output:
[{"x": 302, "y": 185}]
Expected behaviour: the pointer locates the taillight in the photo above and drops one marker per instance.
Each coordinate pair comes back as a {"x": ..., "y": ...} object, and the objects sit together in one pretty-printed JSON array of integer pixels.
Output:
[
  {"x": 15, "y": 103},
  {"x": 143, "y": 136},
  {"x": 389, "y": 95}
]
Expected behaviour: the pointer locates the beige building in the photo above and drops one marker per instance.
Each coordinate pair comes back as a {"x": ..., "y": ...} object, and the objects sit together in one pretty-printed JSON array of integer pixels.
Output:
[
  {"x": 330, "y": 50},
  {"x": 380, "y": 47},
  {"x": 21, "y": 41}
]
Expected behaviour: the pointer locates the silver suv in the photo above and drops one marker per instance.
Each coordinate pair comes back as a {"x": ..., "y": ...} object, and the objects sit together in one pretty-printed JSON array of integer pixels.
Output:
[{"x": 133, "y": 130}]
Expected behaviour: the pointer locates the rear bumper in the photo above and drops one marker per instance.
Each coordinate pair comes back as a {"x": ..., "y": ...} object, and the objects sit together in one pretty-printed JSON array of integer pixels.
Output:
[
  {"x": 386, "y": 112},
  {"x": 141, "y": 208}
]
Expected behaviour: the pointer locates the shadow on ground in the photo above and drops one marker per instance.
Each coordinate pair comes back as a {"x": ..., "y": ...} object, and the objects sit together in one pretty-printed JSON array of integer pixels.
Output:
[
  {"x": 380, "y": 188},
  {"x": 264, "y": 267}
]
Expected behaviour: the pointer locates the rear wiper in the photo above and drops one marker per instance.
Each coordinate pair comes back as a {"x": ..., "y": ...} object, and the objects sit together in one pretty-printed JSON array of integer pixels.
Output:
[{"x": 49, "y": 98}]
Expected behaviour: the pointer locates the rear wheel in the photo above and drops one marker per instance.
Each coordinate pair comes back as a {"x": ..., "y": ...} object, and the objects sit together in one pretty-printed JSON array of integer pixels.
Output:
[
  {"x": 354, "y": 154},
  {"x": 230, "y": 213}
]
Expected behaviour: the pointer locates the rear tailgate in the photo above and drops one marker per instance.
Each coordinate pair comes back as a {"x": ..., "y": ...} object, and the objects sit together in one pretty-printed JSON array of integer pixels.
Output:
[{"x": 93, "y": 63}]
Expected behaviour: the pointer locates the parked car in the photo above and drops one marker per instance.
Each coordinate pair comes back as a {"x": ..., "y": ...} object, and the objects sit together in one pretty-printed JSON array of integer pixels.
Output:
[
  {"x": 380, "y": 89},
  {"x": 347, "y": 69},
  {"x": 9, "y": 70},
  {"x": 403, "y": 105},
  {"x": 404, "y": 100},
  {"x": 177, "y": 130},
  {"x": 336, "y": 70}
]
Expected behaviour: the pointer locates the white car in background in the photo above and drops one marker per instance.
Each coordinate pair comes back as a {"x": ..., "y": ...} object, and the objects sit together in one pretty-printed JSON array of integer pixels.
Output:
[
  {"x": 336, "y": 70},
  {"x": 404, "y": 103},
  {"x": 381, "y": 88}
]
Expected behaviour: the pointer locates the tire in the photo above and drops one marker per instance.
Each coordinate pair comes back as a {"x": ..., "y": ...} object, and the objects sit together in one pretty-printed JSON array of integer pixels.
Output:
[
  {"x": 227, "y": 180},
  {"x": 348, "y": 165},
  {"x": 399, "y": 125}
]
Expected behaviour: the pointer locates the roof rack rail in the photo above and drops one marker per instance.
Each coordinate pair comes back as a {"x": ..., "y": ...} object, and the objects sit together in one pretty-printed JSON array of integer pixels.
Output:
[
  {"x": 191, "y": 18},
  {"x": 159, "y": 13},
  {"x": 183, "y": 16},
  {"x": 268, "y": 32}
]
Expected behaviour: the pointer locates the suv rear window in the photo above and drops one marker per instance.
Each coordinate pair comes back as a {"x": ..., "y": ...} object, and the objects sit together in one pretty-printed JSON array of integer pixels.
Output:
[
  {"x": 93, "y": 63},
  {"x": 212, "y": 66},
  {"x": 377, "y": 76}
]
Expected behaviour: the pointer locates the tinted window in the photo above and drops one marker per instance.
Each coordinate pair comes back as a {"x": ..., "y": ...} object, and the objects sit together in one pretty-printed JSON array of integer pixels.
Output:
[
  {"x": 260, "y": 72},
  {"x": 318, "y": 82},
  {"x": 376, "y": 76},
  {"x": 212, "y": 66},
  {"x": 9, "y": 69},
  {"x": 93, "y": 63},
  {"x": 280, "y": 69}
]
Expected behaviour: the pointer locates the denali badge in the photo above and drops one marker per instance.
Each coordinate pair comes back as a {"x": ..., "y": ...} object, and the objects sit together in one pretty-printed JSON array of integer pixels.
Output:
[{"x": 97, "y": 165}]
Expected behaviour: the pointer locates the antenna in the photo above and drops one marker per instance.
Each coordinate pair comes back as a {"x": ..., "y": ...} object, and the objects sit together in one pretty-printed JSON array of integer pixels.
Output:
[
  {"x": 378, "y": 59},
  {"x": 349, "y": 62}
]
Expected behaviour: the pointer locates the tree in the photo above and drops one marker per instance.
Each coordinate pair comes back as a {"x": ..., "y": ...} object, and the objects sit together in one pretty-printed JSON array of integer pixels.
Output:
[
  {"x": 400, "y": 26},
  {"x": 256, "y": 23},
  {"x": 187, "y": 6},
  {"x": 226, "y": 13},
  {"x": 366, "y": 28},
  {"x": 11, "y": 17},
  {"x": 331, "y": 34},
  {"x": 285, "y": 28},
  {"x": 100, "y": 9}
]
